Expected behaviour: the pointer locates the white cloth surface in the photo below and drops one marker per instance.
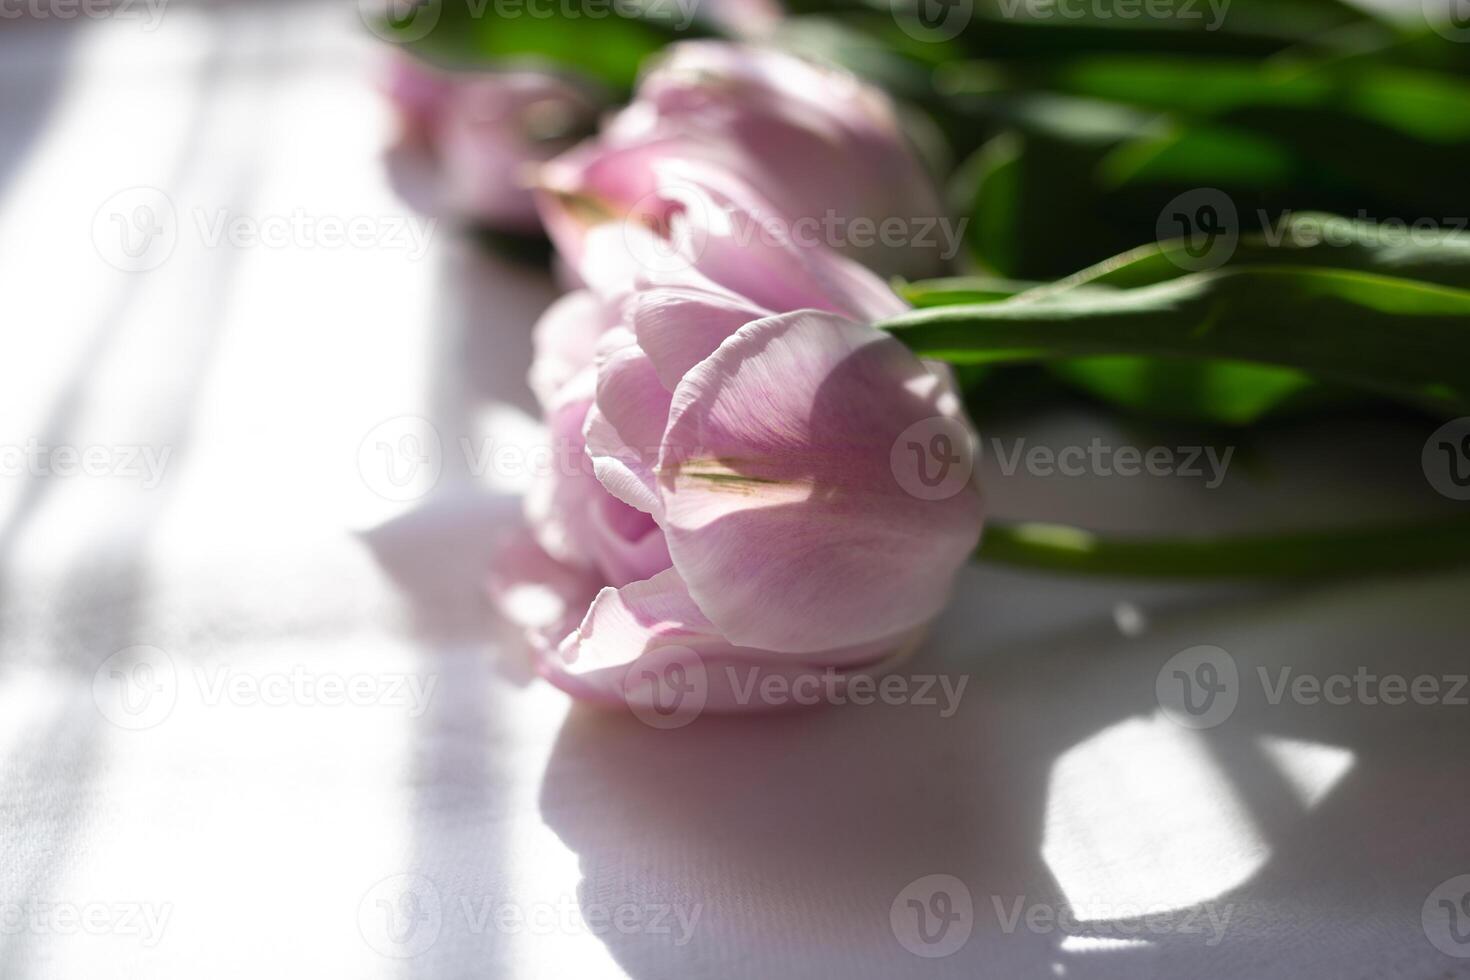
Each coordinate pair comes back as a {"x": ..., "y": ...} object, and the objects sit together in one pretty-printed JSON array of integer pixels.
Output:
[{"x": 228, "y": 816}]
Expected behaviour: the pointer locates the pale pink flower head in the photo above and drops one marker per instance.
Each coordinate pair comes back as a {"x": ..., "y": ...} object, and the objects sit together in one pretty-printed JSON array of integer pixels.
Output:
[
  {"x": 824, "y": 150},
  {"x": 470, "y": 142},
  {"x": 752, "y": 429}
]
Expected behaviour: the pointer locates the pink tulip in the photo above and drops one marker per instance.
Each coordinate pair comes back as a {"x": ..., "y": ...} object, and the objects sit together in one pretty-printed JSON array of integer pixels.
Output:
[
  {"x": 471, "y": 141},
  {"x": 824, "y": 149},
  {"x": 737, "y": 417}
]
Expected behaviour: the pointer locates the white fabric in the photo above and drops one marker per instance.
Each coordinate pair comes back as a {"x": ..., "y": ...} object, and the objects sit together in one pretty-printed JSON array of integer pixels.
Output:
[{"x": 256, "y": 828}]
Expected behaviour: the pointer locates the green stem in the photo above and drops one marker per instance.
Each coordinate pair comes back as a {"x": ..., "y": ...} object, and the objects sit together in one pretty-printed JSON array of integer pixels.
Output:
[{"x": 1306, "y": 554}]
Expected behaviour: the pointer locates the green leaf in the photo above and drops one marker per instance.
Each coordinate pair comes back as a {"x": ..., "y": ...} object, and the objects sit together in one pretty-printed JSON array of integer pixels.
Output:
[
  {"x": 1211, "y": 392},
  {"x": 1337, "y": 133},
  {"x": 963, "y": 289},
  {"x": 1018, "y": 29},
  {"x": 1031, "y": 192},
  {"x": 991, "y": 184},
  {"x": 1395, "y": 337},
  {"x": 1200, "y": 156},
  {"x": 1429, "y": 254},
  {"x": 1420, "y": 104},
  {"x": 608, "y": 48},
  {"x": 1074, "y": 181}
]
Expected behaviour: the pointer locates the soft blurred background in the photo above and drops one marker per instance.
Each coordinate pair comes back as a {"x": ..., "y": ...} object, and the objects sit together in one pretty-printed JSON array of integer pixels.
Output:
[{"x": 264, "y": 418}]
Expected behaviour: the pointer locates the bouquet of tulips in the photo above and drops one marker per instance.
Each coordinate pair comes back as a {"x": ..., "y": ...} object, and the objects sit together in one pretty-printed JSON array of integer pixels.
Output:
[{"x": 812, "y": 239}]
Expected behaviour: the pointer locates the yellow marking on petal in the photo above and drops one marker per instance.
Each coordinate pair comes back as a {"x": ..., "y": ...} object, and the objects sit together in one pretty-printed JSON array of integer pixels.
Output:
[{"x": 726, "y": 474}]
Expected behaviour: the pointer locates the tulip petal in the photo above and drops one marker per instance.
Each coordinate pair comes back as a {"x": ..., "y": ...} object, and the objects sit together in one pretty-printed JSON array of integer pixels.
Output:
[
  {"x": 783, "y": 509},
  {"x": 556, "y": 502},
  {"x": 646, "y": 626},
  {"x": 573, "y": 517},
  {"x": 627, "y": 544},
  {"x": 818, "y": 142},
  {"x": 626, "y": 423},
  {"x": 541, "y": 595},
  {"x": 738, "y": 239},
  {"x": 600, "y": 183},
  {"x": 565, "y": 338},
  {"x": 678, "y": 327}
]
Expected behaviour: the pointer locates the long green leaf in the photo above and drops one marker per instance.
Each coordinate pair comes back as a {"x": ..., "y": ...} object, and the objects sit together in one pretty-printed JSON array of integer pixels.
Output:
[
  {"x": 1397, "y": 337},
  {"x": 1429, "y": 254},
  {"x": 594, "y": 41}
]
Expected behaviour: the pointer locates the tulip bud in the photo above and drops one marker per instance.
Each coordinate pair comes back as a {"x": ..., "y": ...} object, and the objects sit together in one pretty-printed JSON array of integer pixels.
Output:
[
  {"x": 824, "y": 149},
  {"x": 471, "y": 141}
]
